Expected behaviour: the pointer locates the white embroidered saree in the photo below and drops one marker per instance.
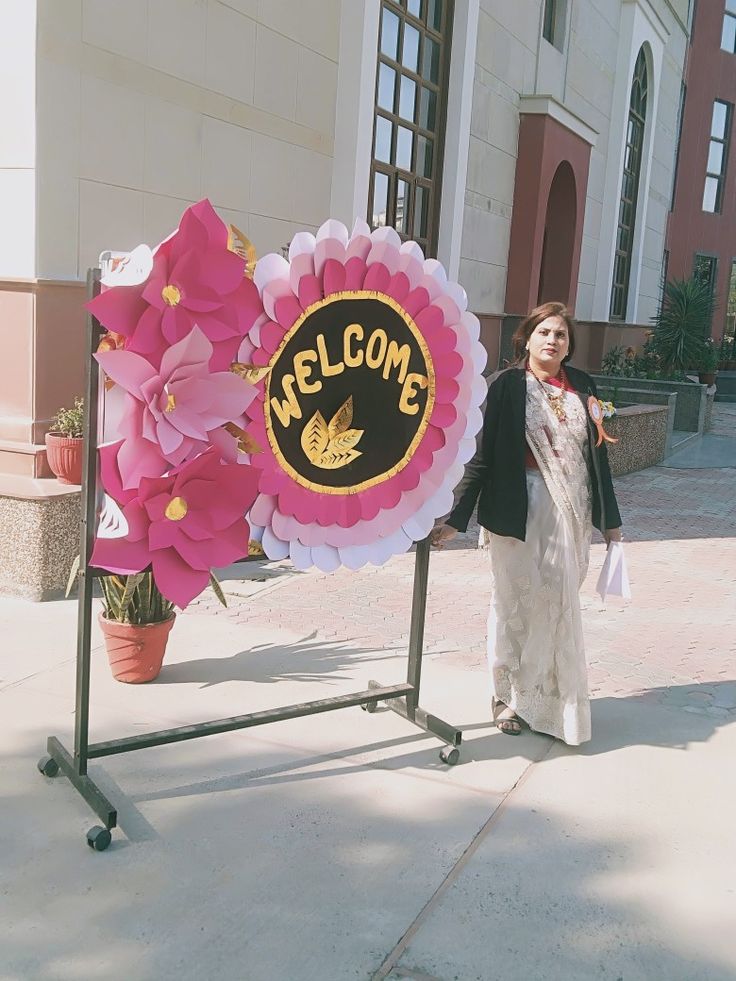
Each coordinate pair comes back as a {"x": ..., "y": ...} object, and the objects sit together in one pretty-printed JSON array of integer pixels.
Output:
[{"x": 535, "y": 637}]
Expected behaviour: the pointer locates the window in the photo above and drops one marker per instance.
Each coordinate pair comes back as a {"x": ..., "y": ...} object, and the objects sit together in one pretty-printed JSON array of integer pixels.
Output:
[
  {"x": 728, "y": 34},
  {"x": 720, "y": 132},
  {"x": 411, "y": 92},
  {"x": 680, "y": 116},
  {"x": 705, "y": 269},
  {"x": 548, "y": 27},
  {"x": 731, "y": 303},
  {"x": 553, "y": 22},
  {"x": 629, "y": 189}
]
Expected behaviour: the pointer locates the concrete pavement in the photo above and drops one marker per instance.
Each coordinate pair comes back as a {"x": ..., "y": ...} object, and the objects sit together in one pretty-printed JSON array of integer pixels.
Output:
[{"x": 339, "y": 846}]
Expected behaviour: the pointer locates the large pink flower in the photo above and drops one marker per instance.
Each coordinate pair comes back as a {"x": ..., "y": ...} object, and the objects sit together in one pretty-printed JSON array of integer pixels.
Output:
[
  {"x": 377, "y": 521},
  {"x": 182, "y": 525},
  {"x": 195, "y": 279},
  {"x": 174, "y": 412}
]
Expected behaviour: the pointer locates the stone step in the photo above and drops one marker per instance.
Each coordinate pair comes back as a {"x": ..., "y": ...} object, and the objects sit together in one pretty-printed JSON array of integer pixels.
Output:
[
  {"x": 23, "y": 459},
  {"x": 725, "y": 398}
]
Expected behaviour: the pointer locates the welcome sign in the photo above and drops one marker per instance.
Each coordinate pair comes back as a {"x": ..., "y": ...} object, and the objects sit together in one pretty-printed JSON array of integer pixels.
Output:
[
  {"x": 322, "y": 406},
  {"x": 350, "y": 393}
]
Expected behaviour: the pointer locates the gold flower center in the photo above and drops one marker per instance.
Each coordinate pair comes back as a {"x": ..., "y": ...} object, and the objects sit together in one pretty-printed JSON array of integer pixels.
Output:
[
  {"x": 176, "y": 509},
  {"x": 170, "y": 402},
  {"x": 171, "y": 295}
]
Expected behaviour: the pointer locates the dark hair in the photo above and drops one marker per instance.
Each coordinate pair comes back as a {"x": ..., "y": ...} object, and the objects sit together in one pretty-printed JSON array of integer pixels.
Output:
[{"x": 527, "y": 327}]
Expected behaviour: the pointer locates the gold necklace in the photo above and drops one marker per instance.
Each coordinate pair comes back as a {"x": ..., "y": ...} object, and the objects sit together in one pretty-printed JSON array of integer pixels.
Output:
[{"x": 556, "y": 400}]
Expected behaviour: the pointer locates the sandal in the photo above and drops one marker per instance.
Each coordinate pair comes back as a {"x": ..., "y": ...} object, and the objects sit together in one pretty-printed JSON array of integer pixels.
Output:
[{"x": 507, "y": 721}]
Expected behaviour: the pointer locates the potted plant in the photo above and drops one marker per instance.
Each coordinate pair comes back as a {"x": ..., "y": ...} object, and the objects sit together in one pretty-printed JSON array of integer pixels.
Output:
[
  {"x": 708, "y": 362},
  {"x": 64, "y": 444},
  {"x": 682, "y": 324},
  {"x": 135, "y": 621}
]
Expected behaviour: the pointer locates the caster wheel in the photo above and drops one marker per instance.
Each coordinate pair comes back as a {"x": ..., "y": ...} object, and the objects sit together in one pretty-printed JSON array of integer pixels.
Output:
[
  {"x": 451, "y": 756},
  {"x": 370, "y": 706},
  {"x": 48, "y": 766},
  {"x": 98, "y": 838}
]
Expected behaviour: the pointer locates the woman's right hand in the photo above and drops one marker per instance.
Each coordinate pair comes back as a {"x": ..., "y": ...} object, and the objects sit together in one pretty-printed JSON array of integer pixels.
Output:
[{"x": 441, "y": 534}]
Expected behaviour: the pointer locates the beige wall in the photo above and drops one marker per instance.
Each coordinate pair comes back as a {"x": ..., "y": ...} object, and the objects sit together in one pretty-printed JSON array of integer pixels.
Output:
[
  {"x": 513, "y": 60},
  {"x": 146, "y": 106}
]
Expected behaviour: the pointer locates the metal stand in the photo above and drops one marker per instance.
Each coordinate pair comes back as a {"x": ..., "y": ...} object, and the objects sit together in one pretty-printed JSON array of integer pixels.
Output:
[{"x": 403, "y": 699}]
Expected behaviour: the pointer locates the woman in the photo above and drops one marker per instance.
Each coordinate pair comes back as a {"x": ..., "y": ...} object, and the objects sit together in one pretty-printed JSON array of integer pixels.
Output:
[{"x": 542, "y": 484}]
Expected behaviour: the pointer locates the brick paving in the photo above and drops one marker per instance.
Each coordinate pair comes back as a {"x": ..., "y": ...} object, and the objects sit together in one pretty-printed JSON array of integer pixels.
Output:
[{"x": 675, "y": 641}]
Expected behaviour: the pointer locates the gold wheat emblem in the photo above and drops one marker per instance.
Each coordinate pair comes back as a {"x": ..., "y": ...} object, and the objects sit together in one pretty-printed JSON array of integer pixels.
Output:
[{"x": 331, "y": 446}]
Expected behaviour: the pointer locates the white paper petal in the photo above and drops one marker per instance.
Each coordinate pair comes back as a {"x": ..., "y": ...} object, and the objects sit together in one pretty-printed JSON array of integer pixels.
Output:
[
  {"x": 273, "y": 546},
  {"x": 270, "y": 267}
]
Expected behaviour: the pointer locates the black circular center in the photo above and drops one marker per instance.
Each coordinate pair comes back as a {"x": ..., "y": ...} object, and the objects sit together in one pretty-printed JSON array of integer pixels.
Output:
[{"x": 349, "y": 395}]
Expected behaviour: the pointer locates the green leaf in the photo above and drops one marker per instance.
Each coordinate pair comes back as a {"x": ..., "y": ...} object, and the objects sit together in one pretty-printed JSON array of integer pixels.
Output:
[
  {"x": 217, "y": 589},
  {"x": 128, "y": 593},
  {"x": 73, "y": 574}
]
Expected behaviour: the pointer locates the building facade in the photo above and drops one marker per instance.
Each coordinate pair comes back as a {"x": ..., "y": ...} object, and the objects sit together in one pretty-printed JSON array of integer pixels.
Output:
[
  {"x": 701, "y": 236},
  {"x": 530, "y": 146}
]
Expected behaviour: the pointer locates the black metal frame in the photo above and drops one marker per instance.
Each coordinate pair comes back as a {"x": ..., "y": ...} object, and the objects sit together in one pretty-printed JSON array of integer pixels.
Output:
[{"x": 403, "y": 698}]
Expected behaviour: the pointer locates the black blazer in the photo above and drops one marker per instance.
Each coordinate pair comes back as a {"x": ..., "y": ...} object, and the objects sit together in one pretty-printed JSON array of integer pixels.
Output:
[{"x": 497, "y": 472}]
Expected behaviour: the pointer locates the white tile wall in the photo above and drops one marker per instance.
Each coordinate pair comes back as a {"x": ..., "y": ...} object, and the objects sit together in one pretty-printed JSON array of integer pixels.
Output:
[
  {"x": 112, "y": 133},
  {"x": 227, "y": 153},
  {"x": 231, "y": 52},
  {"x": 118, "y": 27},
  {"x": 316, "y": 91},
  {"x": 277, "y": 66},
  {"x": 18, "y": 208},
  {"x": 161, "y": 216},
  {"x": 176, "y": 37},
  {"x": 173, "y": 150},
  {"x": 109, "y": 218}
]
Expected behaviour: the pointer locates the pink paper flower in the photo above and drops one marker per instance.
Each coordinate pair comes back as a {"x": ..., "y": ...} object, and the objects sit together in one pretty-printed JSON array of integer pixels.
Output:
[
  {"x": 173, "y": 413},
  {"x": 370, "y": 525},
  {"x": 182, "y": 525},
  {"x": 195, "y": 279}
]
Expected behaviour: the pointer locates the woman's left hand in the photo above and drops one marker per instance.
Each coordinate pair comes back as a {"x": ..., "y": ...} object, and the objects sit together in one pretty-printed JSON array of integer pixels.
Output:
[{"x": 612, "y": 535}]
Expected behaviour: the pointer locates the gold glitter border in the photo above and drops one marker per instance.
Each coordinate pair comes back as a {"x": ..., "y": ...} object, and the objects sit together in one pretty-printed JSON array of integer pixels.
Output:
[{"x": 431, "y": 392}]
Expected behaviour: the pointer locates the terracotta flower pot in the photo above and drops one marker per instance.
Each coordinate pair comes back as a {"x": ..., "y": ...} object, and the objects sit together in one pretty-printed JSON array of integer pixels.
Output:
[
  {"x": 136, "y": 653},
  {"x": 64, "y": 454},
  {"x": 707, "y": 377}
]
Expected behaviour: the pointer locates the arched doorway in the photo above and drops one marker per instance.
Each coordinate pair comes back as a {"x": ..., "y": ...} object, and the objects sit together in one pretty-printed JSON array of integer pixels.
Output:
[{"x": 555, "y": 274}]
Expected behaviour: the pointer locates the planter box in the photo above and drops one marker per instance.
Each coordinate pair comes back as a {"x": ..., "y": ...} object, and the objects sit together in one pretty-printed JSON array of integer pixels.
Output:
[
  {"x": 691, "y": 398},
  {"x": 642, "y": 434},
  {"x": 639, "y": 396}
]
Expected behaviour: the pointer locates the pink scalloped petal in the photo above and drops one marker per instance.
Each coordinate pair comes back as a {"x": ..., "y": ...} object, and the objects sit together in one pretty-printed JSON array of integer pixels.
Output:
[
  {"x": 410, "y": 476},
  {"x": 262, "y": 510},
  {"x": 285, "y": 526},
  {"x": 272, "y": 292},
  {"x": 300, "y": 555},
  {"x": 288, "y": 311},
  {"x": 359, "y": 247},
  {"x": 271, "y": 482},
  {"x": 443, "y": 415},
  {"x": 446, "y": 390},
  {"x": 310, "y": 290},
  {"x": 452, "y": 364},
  {"x": 377, "y": 278},
  {"x": 449, "y": 308},
  {"x": 430, "y": 320},
  {"x": 260, "y": 357},
  {"x": 245, "y": 351},
  {"x": 369, "y": 507},
  {"x": 274, "y": 548},
  {"x": 355, "y": 271},
  {"x": 399, "y": 286},
  {"x": 271, "y": 336},
  {"x": 326, "y": 558},
  {"x": 353, "y": 557},
  {"x": 385, "y": 254},
  {"x": 333, "y": 277},
  {"x": 416, "y": 301},
  {"x": 386, "y": 234},
  {"x": 300, "y": 265},
  {"x": 444, "y": 340},
  {"x": 328, "y": 248}
]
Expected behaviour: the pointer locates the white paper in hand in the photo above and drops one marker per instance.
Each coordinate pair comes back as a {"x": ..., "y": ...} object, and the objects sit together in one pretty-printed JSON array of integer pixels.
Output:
[{"x": 614, "y": 577}]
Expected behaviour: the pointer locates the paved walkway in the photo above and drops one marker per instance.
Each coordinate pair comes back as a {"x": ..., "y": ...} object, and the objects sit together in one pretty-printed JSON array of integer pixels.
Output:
[{"x": 338, "y": 847}]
